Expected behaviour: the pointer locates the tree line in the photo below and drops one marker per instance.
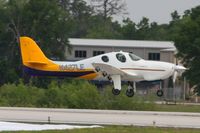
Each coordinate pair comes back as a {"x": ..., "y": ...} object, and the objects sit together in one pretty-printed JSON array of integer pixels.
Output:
[{"x": 52, "y": 22}]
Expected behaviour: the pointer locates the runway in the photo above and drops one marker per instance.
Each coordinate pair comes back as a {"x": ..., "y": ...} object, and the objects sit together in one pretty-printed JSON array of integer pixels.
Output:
[{"x": 101, "y": 117}]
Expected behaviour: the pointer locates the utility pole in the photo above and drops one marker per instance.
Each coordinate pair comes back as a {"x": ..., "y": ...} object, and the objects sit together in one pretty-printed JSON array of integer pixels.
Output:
[{"x": 184, "y": 88}]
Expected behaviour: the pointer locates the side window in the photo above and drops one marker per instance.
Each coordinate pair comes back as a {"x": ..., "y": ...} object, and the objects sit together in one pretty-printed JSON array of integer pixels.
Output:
[
  {"x": 154, "y": 56},
  {"x": 121, "y": 57},
  {"x": 80, "y": 54},
  {"x": 95, "y": 53},
  {"x": 105, "y": 58}
]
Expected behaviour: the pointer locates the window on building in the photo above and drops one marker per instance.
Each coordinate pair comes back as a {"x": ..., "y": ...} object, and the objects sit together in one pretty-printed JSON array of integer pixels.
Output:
[
  {"x": 80, "y": 54},
  {"x": 154, "y": 56},
  {"x": 95, "y": 53},
  {"x": 121, "y": 57}
]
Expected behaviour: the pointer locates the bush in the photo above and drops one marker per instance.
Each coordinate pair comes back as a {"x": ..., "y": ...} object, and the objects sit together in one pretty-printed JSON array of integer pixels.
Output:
[
  {"x": 69, "y": 94},
  {"x": 19, "y": 95},
  {"x": 81, "y": 94},
  {"x": 122, "y": 102}
]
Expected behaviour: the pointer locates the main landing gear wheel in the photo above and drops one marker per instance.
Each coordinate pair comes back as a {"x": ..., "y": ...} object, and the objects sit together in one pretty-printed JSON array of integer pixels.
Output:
[
  {"x": 115, "y": 91},
  {"x": 130, "y": 93},
  {"x": 159, "y": 93}
]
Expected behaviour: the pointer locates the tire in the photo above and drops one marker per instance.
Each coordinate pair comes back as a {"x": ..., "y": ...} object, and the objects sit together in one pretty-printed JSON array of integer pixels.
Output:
[
  {"x": 116, "y": 91},
  {"x": 104, "y": 74},
  {"x": 97, "y": 69},
  {"x": 159, "y": 93},
  {"x": 130, "y": 92},
  {"x": 109, "y": 78}
]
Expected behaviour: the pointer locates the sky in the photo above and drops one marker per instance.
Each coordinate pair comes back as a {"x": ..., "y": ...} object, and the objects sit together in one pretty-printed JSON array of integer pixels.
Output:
[{"x": 156, "y": 10}]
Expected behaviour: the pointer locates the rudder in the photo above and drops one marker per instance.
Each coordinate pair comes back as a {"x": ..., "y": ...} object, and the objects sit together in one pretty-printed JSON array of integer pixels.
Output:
[{"x": 31, "y": 53}]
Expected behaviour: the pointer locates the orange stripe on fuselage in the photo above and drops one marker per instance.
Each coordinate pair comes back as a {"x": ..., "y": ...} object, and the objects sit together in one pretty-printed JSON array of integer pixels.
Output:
[
  {"x": 142, "y": 69},
  {"x": 89, "y": 76}
]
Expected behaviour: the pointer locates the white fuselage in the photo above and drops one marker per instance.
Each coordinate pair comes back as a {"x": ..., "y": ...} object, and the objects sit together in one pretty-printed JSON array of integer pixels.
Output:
[{"x": 143, "y": 69}]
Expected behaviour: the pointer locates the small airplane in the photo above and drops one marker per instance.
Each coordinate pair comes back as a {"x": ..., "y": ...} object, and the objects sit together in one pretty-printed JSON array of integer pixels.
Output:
[{"x": 113, "y": 66}]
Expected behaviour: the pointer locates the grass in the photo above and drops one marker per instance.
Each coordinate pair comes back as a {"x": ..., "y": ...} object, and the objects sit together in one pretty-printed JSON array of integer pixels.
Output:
[{"x": 120, "y": 129}]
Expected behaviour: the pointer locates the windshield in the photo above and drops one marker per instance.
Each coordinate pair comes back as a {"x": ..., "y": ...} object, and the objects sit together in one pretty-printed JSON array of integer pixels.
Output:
[{"x": 134, "y": 57}]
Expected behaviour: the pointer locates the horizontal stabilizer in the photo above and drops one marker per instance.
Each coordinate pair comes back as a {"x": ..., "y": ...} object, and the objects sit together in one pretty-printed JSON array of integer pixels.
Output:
[{"x": 36, "y": 63}]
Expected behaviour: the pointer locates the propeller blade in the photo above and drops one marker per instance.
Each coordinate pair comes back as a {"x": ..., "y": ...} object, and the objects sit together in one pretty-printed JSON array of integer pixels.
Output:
[{"x": 175, "y": 76}]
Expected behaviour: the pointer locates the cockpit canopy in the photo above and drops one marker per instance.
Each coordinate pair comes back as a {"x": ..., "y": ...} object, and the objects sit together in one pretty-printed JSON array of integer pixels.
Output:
[{"x": 122, "y": 57}]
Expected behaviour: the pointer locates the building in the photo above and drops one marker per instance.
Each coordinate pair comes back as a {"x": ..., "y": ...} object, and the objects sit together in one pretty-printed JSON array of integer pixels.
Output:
[{"x": 149, "y": 50}]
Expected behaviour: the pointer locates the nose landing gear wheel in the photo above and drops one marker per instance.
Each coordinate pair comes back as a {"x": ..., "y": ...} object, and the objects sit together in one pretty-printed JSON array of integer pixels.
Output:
[
  {"x": 159, "y": 93},
  {"x": 115, "y": 91},
  {"x": 130, "y": 93}
]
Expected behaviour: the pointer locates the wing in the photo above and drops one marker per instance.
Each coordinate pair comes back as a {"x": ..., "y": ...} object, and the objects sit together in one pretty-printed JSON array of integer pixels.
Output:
[
  {"x": 114, "y": 73},
  {"x": 111, "y": 70}
]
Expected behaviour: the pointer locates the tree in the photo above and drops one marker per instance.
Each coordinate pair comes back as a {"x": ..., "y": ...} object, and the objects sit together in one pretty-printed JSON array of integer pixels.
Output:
[
  {"x": 128, "y": 29},
  {"x": 187, "y": 42},
  {"x": 143, "y": 27},
  {"x": 10, "y": 59},
  {"x": 45, "y": 21},
  {"x": 80, "y": 14},
  {"x": 175, "y": 16},
  {"x": 103, "y": 30},
  {"x": 186, "y": 13},
  {"x": 48, "y": 24},
  {"x": 108, "y": 8},
  {"x": 157, "y": 32}
]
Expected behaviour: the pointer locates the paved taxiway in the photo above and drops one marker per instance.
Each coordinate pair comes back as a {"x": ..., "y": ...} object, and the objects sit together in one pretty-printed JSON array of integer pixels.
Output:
[{"x": 101, "y": 117}]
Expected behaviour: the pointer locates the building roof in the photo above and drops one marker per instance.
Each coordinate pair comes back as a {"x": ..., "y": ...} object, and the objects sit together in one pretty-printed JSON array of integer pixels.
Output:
[
  {"x": 169, "y": 50},
  {"x": 121, "y": 43}
]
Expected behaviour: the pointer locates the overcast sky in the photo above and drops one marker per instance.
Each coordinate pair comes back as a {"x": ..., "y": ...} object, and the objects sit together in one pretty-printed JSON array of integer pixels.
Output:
[{"x": 157, "y": 10}]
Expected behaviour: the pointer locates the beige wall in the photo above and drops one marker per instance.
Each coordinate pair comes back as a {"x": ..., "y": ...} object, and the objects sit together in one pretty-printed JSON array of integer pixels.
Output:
[{"x": 166, "y": 56}]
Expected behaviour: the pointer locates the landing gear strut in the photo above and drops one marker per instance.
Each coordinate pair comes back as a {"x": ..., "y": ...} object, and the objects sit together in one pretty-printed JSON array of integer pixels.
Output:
[{"x": 160, "y": 91}]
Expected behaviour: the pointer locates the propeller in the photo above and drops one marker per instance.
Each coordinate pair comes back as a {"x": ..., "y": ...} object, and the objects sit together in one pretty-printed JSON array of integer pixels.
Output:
[
  {"x": 174, "y": 76},
  {"x": 178, "y": 70}
]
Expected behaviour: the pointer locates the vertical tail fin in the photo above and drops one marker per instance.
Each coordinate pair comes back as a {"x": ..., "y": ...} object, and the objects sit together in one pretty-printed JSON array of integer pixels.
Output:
[{"x": 31, "y": 53}]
